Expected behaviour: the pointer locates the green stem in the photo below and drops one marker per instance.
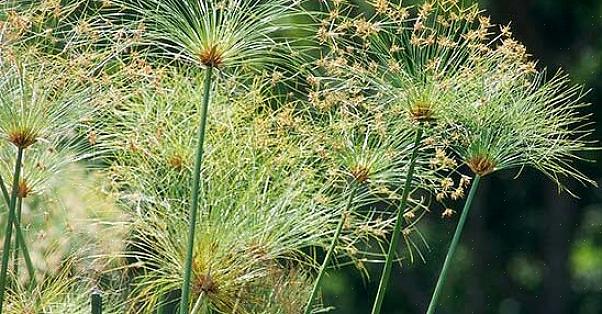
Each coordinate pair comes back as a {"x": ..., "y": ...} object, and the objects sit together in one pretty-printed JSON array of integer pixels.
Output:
[
  {"x": 453, "y": 246},
  {"x": 4, "y": 192},
  {"x": 9, "y": 225},
  {"x": 7, "y": 200},
  {"x": 396, "y": 236},
  {"x": 331, "y": 249},
  {"x": 197, "y": 306},
  {"x": 196, "y": 178},
  {"x": 17, "y": 221},
  {"x": 20, "y": 237},
  {"x": 96, "y": 302},
  {"x": 24, "y": 249}
]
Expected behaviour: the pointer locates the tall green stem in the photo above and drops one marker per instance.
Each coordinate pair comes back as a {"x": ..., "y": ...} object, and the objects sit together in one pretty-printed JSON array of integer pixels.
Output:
[
  {"x": 453, "y": 246},
  {"x": 196, "y": 178},
  {"x": 96, "y": 302},
  {"x": 19, "y": 210},
  {"x": 20, "y": 237},
  {"x": 24, "y": 249},
  {"x": 9, "y": 225},
  {"x": 331, "y": 249},
  {"x": 396, "y": 237}
]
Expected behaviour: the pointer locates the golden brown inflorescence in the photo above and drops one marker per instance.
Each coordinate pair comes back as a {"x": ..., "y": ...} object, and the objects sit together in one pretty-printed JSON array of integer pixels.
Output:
[
  {"x": 421, "y": 111},
  {"x": 205, "y": 284},
  {"x": 22, "y": 138},
  {"x": 360, "y": 174},
  {"x": 211, "y": 57},
  {"x": 481, "y": 165},
  {"x": 176, "y": 162},
  {"x": 24, "y": 189}
]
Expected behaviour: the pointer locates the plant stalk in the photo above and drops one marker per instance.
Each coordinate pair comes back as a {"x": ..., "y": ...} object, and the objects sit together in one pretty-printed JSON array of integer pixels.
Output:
[
  {"x": 96, "y": 302},
  {"x": 197, "y": 306},
  {"x": 20, "y": 237},
  {"x": 331, "y": 249},
  {"x": 453, "y": 246},
  {"x": 17, "y": 221},
  {"x": 396, "y": 237},
  {"x": 23, "y": 245},
  {"x": 196, "y": 178},
  {"x": 9, "y": 225}
]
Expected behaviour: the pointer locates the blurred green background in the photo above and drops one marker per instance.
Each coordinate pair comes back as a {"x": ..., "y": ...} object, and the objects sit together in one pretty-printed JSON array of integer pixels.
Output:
[{"x": 526, "y": 248}]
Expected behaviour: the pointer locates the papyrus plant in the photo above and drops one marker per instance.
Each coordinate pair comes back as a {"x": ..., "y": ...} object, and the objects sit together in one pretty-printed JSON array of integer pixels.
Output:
[
  {"x": 283, "y": 177},
  {"x": 217, "y": 36},
  {"x": 367, "y": 168},
  {"x": 256, "y": 166},
  {"x": 258, "y": 221},
  {"x": 420, "y": 63},
  {"x": 34, "y": 111},
  {"x": 356, "y": 140},
  {"x": 510, "y": 116},
  {"x": 239, "y": 258},
  {"x": 72, "y": 30},
  {"x": 413, "y": 54},
  {"x": 61, "y": 292},
  {"x": 403, "y": 59},
  {"x": 46, "y": 164}
]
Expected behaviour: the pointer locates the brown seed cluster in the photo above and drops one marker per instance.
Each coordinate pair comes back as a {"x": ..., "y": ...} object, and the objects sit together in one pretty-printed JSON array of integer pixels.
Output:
[
  {"x": 23, "y": 138},
  {"x": 360, "y": 174},
  {"x": 421, "y": 111},
  {"x": 481, "y": 165},
  {"x": 441, "y": 160},
  {"x": 448, "y": 213},
  {"x": 24, "y": 189},
  {"x": 448, "y": 189},
  {"x": 176, "y": 162},
  {"x": 206, "y": 284},
  {"x": 211, "y": 57},
  {"x": 14, "y": 26}
]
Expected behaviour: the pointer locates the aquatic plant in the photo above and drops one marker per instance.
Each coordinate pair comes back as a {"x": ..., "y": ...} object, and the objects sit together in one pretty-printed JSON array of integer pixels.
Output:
[
  {"x": 213, "y": 36},
  {"x": 34, "y": 110},
  {"x": 509, "y": 116},
  {"x": 312, "y": 135}
]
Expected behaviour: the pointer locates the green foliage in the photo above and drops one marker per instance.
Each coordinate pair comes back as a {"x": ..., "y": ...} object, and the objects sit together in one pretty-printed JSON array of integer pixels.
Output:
[
  {"x": 212, "y": 33},
  {"x": 295, "y": 120}
]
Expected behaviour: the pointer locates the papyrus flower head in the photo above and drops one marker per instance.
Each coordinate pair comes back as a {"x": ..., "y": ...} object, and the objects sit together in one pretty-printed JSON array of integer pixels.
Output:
[
  {"x": 45, "y": 166},
  {"x": 37, "y": 105},
  {"x": 212, "y": 33},
  {"x": 511, "y": 116},
  {"x": 410, "y": 60}
]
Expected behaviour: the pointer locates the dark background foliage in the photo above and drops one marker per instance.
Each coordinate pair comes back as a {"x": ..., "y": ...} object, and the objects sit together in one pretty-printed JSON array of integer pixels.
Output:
[{"x": 526, "y": 248}]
